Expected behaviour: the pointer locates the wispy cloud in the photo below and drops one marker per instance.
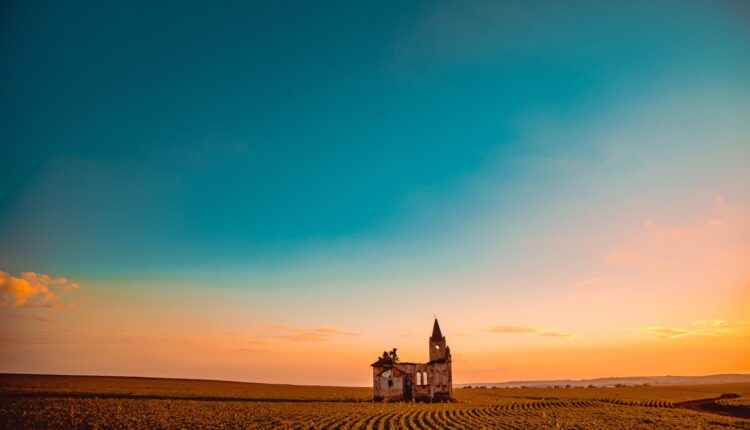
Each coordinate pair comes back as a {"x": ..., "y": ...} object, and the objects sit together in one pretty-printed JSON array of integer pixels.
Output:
[
  {"x": 335, "y": 331},
  {"x": 715, "y": 327},
  {"x": 709, "y": 322},
  {"x": 666, "y": 332},
  {"x": 34, "y": 290},
  {"x": 244, "y": 338},
  {"x": 558, "y": 334},
  {"x": 531, "y": 330},
  {"x": 511, "y": 329},
  {"x": 320, "y": 334}
]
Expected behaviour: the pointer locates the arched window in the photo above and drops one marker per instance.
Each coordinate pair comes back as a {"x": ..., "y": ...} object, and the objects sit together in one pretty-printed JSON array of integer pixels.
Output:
[
  {"x": 419, "y": 378},
  {"x": 424, "y": 378}
]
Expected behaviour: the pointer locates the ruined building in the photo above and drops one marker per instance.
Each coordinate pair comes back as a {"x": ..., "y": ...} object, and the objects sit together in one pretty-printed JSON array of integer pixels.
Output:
[{"x": 395, "y": 380}]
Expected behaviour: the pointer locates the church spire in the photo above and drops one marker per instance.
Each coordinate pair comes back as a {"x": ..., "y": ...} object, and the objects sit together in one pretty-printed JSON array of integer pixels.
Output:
[
  {"x": 436, "y": 333},
  {"x": 438, "y": 350}
]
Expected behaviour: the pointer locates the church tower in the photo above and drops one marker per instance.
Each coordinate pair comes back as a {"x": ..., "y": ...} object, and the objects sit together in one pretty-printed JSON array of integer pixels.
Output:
[{"x": 438, "y": 349}]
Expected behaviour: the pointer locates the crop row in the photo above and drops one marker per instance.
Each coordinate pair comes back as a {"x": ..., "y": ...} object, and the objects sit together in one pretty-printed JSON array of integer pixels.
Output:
[
  {"x": 61, "y": 413},
  {"x": 737, "y": 401},
  {"x": 454, "y": 417},
  {"x": 641, "y": 403}
]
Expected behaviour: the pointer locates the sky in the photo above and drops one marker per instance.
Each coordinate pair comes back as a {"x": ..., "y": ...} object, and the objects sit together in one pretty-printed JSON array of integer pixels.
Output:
[{"x": 279, "y": 191}]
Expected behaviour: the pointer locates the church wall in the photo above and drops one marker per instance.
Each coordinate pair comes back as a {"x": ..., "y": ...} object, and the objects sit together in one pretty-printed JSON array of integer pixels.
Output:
[
  {"x": 421, "y": 392},
  {"x": 381, "y": 389},
  {"x": 439, "y": 386},
  {"x": 440, "y": 381}
]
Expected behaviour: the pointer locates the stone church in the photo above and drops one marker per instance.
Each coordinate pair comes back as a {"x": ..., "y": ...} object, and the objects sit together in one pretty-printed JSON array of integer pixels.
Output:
[{"x": 395, "y": 380}]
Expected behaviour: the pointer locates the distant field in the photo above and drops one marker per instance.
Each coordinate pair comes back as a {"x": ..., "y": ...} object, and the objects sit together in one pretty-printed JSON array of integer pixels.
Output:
[
  {"x": 163, "y": 387},
  {"x": 35, "y": 401}
]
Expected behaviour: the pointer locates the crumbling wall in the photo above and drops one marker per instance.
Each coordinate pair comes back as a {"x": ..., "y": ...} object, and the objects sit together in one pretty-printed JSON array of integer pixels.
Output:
[
  {"x": 387, "y": 386},
  {"x": 400, "y": 373},
  {"x": 440, "y": 381},
  {"x": 422, "y": 390}
]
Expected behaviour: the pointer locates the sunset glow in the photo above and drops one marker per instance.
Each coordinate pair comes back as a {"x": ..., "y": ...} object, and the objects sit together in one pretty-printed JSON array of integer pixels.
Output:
[{"x": 567, "y": 190}]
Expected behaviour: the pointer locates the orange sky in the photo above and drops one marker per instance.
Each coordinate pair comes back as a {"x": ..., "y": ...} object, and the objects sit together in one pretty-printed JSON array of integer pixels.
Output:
[
  {"x": 569, "y": 192},
  {"x": 678, "y": 304}
]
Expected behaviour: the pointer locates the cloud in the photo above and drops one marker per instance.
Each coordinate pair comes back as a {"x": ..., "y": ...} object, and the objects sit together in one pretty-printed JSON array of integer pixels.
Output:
[
  {"x": 570, "y": 336},
  {"x": 667, "y": 332},
  {"x": 244, "y": 338},
  {"x": 721, "y": 328},
  {"x": 723, "y": 332},
  {"x": 320, "y": 334},
  {"x": 335, "y": 331},
  {"x": 34, "y": 290},
  {"x": 716, "y": 222},
  {"x": 512, "y": 329},
  {"x": 715, "y": 328},
  {"x": 719, "y": 199},
  {"x": 531, "y": 330},
  {"x": 709, "y": 322}
]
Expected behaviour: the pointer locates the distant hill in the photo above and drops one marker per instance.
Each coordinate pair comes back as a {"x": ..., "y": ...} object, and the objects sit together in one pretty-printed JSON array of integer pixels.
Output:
[{"x": 610, "y": 382}]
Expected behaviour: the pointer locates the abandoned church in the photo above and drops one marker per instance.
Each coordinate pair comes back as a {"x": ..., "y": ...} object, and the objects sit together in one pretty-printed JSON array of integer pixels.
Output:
[{"x": 395, "y": 380}]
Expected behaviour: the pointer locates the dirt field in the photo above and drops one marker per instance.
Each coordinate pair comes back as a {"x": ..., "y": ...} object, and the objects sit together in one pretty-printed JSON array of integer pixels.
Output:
[{"x": 32, "y": 401}]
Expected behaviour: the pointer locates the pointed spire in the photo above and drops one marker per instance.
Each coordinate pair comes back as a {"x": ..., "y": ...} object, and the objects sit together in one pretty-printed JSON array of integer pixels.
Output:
[{"x": 436, "y": 333}]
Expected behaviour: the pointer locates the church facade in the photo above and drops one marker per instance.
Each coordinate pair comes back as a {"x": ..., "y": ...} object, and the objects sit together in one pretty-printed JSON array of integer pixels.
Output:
[{"x": 394, "y": 380}]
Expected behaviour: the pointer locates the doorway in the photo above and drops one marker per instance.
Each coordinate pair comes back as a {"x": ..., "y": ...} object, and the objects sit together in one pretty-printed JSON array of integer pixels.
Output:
[{"x": 407, "y": 389}]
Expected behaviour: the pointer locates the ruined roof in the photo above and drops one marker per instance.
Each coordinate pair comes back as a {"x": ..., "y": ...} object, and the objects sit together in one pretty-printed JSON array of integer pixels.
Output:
[
  {"x": 382, "y": 362},
  {"x": 391, "y": 363},
  {"x": 436, "y": 333}
]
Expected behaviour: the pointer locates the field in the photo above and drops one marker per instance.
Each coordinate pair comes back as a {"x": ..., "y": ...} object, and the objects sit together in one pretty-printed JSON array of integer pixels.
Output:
[{"x": 33, "y": 401}]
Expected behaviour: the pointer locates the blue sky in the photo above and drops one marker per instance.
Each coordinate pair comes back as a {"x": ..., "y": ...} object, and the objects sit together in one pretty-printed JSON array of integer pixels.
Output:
[{"x": 153, "y": 139}]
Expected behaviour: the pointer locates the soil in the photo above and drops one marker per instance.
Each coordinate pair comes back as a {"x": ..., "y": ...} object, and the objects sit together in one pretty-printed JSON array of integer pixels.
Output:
[{"x": 710, "y": 406}]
